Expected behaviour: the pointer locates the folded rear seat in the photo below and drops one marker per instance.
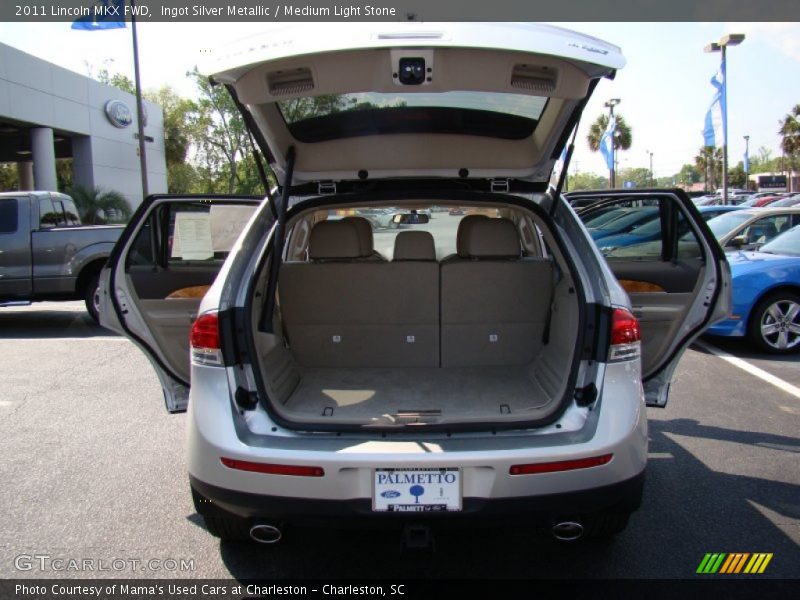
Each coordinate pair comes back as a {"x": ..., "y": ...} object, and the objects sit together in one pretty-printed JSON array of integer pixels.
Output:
[
  {"x": 494, "y": 303},
  {"x": 340, "y": 310}
]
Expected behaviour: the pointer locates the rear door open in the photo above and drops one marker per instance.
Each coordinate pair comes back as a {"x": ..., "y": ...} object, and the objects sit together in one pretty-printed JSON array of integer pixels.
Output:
[
  {"x": 162, "y": 266},
  {"x": 671, "y": 266}
]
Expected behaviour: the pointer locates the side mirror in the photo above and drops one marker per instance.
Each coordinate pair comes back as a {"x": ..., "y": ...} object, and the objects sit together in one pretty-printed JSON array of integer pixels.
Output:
[{"x": 410, "y": 219}]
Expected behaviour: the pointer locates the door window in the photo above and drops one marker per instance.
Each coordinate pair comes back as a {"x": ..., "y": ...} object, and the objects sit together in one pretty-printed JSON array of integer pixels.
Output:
[
  {"x": 8, "y": 215},
  {"x": 189, "y": 233},
  {"x": 641, "y": 232},
  {"x": 763, "y": 230}
]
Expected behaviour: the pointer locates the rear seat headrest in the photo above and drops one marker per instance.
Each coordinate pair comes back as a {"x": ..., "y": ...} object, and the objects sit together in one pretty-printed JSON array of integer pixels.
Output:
[
  {"x": 334, "y": 240},
  {"x": 414, "y": 245},
  {"x": 364, "y": 229},
  {"x": 493, "y": 238},
  {"x": 463, "y": 233}
]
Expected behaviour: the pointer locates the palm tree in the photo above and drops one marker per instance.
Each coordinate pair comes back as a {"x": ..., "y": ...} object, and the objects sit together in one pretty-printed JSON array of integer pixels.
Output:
[
  {"x": 790, "y": 135},
  {"x": 709, "y": 162},
  {"x": 623, "y": 138},
  {"x": 92, "y": 201}
]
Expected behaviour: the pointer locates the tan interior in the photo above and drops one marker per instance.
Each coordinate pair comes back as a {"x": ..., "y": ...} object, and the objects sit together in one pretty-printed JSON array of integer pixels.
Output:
[{"x": 365, "y": 341}]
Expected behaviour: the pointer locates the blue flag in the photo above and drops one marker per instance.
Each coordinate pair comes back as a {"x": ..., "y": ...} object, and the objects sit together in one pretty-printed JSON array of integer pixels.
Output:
[
  {"x": 746, "y": 161},
  {"x": 103, "y": 14},
  {"x": 713, "y": 132},
  {"x": 607, "y": 142}
]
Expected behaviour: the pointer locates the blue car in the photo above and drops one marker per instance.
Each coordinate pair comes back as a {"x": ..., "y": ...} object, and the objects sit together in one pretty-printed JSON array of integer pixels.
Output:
[{"x": 766, "y": 295}]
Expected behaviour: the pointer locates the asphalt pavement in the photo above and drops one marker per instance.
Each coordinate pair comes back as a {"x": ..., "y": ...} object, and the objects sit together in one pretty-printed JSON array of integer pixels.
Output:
[{"x": 94, "y": 468}]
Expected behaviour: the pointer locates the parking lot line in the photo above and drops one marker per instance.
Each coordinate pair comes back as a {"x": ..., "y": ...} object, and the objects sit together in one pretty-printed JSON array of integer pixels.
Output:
[{"x": 752, "y": 369}]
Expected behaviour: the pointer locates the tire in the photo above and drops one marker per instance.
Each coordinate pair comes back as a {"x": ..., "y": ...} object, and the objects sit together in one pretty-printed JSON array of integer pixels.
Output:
[
  {"x": 91, "y": 297},
  {"x": 228, "y": 529},
  {"x": 774, "y": 325}
]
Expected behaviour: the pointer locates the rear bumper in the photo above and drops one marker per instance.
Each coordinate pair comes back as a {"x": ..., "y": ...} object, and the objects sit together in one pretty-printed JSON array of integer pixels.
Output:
[{"x": 210, "y": 500}]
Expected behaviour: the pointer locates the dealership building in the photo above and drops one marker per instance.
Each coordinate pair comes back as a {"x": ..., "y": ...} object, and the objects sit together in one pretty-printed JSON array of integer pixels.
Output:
[{"x": 48, "y": 113}]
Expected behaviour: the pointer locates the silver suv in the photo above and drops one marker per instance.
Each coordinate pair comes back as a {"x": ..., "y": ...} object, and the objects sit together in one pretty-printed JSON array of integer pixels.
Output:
[{"x": 482, "y": 360}]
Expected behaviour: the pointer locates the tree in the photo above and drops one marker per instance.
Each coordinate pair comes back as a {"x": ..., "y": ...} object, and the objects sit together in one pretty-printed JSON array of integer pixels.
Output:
[
  {"x": 737, "y": 177},
  {"x": 178, "y": 114},
  {"x": 8, "y": 178},
  {"x": 709, "y": 162},
  {"x": 639, "y": 176},
  {"x": 623, "y": 138},
  {"x": 587, "y": 181},
  {"x": 688, "y": 175},
  {"x": 221, "y": 136},
  {"x": 92, "y": 201},
  {"x": 790, "y": 135},
  {"x": 63, "y": 173},
  {"x": 117, "y": 80}
]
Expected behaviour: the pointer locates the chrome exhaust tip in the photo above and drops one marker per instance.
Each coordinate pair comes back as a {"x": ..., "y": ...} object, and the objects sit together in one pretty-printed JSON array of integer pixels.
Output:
[
  {"x": 567, "y": 531},
  {"x": 265, "y": 534}
]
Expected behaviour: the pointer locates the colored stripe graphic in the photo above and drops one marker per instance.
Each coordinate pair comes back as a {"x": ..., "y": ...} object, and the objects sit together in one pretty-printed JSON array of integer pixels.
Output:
[
  {"x": 758, "y": 563},
  {"x": 733, "y": 563},
  {"x": 711, "y": 563}
]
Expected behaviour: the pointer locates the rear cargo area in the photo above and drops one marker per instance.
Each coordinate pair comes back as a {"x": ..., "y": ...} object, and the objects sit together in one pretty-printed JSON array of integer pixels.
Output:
[
  {"x": 487, "y": 334},
  {"x": 461, "y": 392}
]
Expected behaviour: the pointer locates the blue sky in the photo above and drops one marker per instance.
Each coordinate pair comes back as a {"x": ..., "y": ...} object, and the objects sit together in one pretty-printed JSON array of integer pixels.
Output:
[{"x": 664, "y": 88}]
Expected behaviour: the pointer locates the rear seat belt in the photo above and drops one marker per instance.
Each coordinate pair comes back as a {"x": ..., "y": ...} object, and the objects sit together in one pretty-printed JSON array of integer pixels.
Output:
[
  {"x": 265, "y": 322},
  {"x": 556, "y": 281}
]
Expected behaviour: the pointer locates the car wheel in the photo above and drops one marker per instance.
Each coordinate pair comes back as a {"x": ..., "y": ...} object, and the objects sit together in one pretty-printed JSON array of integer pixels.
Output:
[
  {"x": 91, "y": 297},
  {"x": 775, "y": 323}
]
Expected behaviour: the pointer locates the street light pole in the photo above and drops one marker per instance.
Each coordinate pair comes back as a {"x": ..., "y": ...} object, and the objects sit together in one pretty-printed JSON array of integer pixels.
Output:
[
  {"x": 732, "y": 39},
  {"x": 612, "y": 175},
  {"x": 747, "y": 162},
  {"x": 652, "y": 176}
]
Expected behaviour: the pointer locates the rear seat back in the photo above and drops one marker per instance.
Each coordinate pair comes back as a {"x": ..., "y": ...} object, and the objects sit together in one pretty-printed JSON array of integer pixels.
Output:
[
  {"x": 340, "y": 311},
  {"x": 494, "y": 304},
  {"x": 414, "y": 245}
]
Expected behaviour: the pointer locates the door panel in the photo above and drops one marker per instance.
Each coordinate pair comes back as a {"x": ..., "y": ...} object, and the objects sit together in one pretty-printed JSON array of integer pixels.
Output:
[
  {"x": 673, "y": 269},
  {"x": 15, "y": 251},
  {"x": 159, "y": 272}
]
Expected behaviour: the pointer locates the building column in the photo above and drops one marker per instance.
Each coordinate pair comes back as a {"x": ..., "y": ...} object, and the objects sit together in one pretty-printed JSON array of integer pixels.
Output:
[
  {"x": 25, "y": 175},
  {"x": 44, "y": 159},
  {"x": 82, "y": 163}
]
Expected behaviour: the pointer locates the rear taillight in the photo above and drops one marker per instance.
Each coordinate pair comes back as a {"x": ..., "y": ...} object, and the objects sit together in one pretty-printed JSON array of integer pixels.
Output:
[
  {"x": 273, "y": 469},
  {"x": 204, "y": 340},
  {"x": 561, "y": 465},
  {"x": 625, "y": 336}
]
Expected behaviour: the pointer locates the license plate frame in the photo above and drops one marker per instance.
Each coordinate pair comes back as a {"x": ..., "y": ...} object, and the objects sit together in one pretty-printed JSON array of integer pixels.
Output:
[{"x": 406, "y": 488}]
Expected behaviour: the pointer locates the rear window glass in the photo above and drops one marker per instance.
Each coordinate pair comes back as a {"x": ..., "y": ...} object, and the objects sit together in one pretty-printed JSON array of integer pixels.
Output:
[
  {"x": 8, "y": 215},
  {"x": 490, "y": 114},
  {"x": 51, "y": 214},
  {"x": 442, "y": 224}
]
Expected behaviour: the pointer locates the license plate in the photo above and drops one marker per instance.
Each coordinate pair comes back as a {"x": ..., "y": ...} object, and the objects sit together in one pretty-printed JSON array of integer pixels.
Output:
[{"x": 416, "y": 490}]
